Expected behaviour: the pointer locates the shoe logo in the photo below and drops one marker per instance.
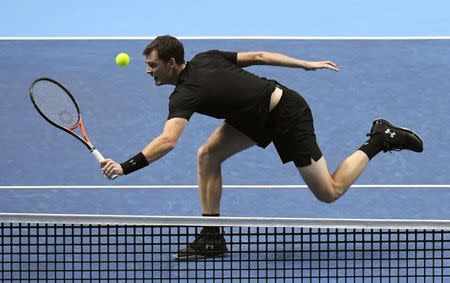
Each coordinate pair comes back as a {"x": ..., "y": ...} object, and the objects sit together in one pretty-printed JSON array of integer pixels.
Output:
[
  {"x": 388, "y": 132},
  {"x": 209, "y": 247}
]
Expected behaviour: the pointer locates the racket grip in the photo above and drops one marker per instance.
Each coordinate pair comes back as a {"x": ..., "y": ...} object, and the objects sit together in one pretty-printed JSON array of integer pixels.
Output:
[{"x": 100, "y": 158}]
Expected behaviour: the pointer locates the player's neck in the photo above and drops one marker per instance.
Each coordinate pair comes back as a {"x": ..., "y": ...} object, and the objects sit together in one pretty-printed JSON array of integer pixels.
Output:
[{"x": 177, "y": 71}]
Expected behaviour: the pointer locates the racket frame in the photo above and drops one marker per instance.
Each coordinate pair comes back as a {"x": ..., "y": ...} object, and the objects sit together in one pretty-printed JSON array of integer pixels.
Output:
[
  {"x": 85, "y": 139},
  {"x": 79, "y": 124}
]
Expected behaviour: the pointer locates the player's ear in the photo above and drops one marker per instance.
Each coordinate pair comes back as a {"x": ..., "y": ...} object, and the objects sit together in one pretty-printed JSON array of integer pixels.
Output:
[{"x": 172, "y": 62}]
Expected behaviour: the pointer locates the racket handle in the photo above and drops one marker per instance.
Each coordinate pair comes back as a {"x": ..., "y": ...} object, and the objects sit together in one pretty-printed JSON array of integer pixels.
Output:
[{"x": 100, "y": 158}]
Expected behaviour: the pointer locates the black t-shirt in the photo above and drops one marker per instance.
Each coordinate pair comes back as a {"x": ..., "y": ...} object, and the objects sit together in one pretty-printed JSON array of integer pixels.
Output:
[{"x": 213, "y": 84}]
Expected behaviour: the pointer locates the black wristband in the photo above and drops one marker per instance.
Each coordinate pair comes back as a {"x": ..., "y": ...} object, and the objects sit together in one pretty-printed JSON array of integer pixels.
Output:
[{"x": 134, "y": 163}]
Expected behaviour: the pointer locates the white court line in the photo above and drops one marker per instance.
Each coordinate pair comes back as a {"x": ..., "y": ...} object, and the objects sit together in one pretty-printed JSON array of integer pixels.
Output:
[
  {"x": 443, "y": 37},
  {"x": 147, "y": 187}
]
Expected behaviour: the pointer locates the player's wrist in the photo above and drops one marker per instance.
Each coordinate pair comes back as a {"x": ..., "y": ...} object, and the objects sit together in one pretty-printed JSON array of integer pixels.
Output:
[{"x": 134, "y": 163}]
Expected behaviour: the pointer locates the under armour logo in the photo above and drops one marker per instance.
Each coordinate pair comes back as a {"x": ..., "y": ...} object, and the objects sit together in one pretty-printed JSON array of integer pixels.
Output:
[
  {"x": 209, "y": 247},
  {"x": 388, "y": 132}
]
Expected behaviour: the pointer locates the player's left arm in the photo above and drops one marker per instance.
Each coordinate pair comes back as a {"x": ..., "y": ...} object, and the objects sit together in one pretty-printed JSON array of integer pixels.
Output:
[
  {"x": 245, "y": 59},
  {"x": 156, "y": 149}
]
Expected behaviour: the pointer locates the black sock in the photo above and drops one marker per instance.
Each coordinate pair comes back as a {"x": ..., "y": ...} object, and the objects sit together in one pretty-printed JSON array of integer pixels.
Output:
[
  {"x": 373, "y": 146},
  {"x": 211, "y": 215},
  {"x": 211, "y": 229}
]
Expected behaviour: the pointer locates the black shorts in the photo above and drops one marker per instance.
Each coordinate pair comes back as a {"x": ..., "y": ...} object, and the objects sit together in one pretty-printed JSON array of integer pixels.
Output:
[{"x": 290, "y": 128}]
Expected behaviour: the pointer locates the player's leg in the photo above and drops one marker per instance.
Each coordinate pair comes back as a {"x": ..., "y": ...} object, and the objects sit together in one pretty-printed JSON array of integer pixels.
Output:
[
  {"x": 328, "y": 188},
  {"x": 292, "y": 121},
  {"x": 383, "y": 137},
  {"x": 224, "y": 142}
]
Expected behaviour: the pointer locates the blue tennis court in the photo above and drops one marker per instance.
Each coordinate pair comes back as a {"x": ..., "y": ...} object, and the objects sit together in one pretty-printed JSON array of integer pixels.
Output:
[
  {"x": 47, "y": 171},
  {"x": 402, "y": 80}
]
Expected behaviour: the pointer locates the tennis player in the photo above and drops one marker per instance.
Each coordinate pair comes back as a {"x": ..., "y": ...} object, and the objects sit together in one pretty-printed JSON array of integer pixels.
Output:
[{"x": 257, "y": 111}]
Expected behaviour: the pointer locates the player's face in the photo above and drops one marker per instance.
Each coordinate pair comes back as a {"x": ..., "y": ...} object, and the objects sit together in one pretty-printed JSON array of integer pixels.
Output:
[{"x": 160, "y": 70}]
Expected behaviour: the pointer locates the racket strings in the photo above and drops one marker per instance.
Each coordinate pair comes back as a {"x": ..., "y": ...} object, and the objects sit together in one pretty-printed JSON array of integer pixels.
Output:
[{"x": 56, "y": 104}]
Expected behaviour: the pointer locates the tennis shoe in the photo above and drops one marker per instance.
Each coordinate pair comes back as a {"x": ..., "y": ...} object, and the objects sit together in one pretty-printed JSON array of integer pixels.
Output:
[
  {"x": 396, "y": 138},
  {"x": 206, "y": 245}
]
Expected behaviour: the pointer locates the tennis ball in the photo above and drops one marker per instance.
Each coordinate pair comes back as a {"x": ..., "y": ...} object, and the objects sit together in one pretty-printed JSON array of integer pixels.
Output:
[{"x": 122, "y": 59}]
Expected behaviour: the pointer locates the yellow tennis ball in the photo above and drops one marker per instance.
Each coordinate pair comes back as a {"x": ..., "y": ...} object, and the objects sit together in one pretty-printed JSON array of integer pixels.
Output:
[{"x": 122, "y": 59}]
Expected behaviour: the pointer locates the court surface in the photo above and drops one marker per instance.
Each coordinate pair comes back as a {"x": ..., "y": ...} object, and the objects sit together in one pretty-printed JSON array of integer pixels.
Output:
[
  {"x": 47, "y": 171},
  {"x": 404, "y": 81}
]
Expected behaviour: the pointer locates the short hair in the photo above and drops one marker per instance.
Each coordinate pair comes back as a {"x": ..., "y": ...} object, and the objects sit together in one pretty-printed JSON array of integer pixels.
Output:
[{"x": 167, "y": 47}]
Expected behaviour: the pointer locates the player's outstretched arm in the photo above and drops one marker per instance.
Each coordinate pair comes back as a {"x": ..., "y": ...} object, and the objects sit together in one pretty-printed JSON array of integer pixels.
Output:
[
  {"x": 245, "y": 59},
  {"x": 166, "y": 141},
  {"x": 156, "y": 149}
]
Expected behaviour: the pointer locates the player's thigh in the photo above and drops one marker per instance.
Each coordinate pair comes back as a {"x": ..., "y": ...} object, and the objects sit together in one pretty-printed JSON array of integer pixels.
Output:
[
  {"x": 317, "y": 177},
  {"x": 226, "y": 141}
]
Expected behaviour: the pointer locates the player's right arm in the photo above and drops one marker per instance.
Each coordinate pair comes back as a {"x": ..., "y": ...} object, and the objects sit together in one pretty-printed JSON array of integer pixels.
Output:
[
  {"x": 166, "y": 141},
  {"x": 156, "y": 149},
  {"x": 245, "y": 59}
]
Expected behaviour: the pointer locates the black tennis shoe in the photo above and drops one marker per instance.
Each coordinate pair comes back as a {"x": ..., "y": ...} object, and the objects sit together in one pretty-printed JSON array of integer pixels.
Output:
[
  {"x": 207, "y": 244},
  {"x": 396, "y": 138}
]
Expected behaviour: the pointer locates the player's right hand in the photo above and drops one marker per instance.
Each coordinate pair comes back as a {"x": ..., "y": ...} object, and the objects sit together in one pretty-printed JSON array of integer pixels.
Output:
[{"x": 111, "y": 168}]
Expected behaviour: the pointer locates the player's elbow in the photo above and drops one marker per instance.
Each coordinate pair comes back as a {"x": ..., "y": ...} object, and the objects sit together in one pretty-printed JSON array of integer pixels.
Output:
[
  {"x": 259, "y": 58},
  {"x": 246, "y": 59},
  {"x": 169, "y": 142}
]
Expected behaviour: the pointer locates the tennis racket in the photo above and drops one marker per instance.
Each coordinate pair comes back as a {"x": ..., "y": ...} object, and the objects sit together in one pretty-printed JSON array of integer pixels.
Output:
[{"x": 58, "y": 107}]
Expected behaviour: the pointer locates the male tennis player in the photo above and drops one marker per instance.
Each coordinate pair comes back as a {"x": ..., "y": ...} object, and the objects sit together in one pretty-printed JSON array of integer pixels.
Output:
[{"x": 257, "y": 111}]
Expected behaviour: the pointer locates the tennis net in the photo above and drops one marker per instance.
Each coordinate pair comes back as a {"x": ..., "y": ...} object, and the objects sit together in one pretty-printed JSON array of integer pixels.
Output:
[{"x": 86, "y": 248}]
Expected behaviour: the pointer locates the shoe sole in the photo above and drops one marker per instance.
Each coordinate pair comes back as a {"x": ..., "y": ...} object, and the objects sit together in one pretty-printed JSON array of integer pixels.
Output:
[
  {"x": 382, "y": 121},
  {"x": 194, "y": 257}
]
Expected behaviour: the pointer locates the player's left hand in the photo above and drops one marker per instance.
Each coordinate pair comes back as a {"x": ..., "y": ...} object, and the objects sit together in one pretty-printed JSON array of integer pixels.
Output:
[
  {"x": 312, "y": 66},
  {"x": 110, "y": 168}
]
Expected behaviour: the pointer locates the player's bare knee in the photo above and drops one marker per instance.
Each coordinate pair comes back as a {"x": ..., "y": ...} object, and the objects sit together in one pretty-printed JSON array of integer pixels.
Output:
[
  {"x": 327, "y": 197},
  {"x": 205, "y": 155},
  {"x": 329, "y": 194},
  {"x": 202, "y": 154}
]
